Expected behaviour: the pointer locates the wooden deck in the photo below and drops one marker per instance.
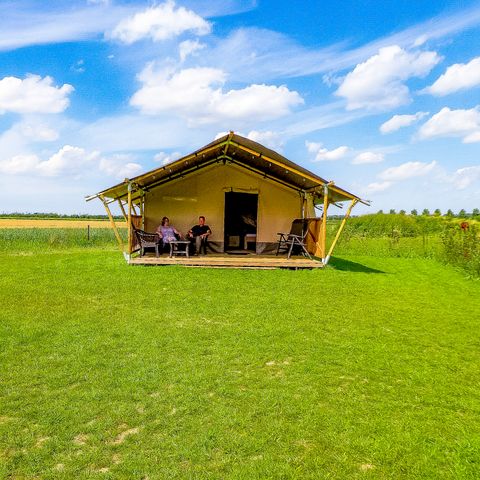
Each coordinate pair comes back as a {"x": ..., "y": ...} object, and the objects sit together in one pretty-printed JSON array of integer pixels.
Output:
[{"x": 219, "y": 260}]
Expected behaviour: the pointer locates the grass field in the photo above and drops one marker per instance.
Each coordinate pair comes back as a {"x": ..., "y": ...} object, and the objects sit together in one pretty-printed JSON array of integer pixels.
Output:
[{"x": 369, "y": 369}]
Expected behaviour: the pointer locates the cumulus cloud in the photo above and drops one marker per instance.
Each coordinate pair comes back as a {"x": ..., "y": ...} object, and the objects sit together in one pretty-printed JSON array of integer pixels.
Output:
[
  {"x": 323, "y": 154},
  {"x": 33, "y": 94},
  {"x": 197, "y": 95},
  {"x": 273, "y": 140},
  {"x": 189, "y": 47},
  {"x": 119, "y": 166},
  {"x": 459, "y": 76},
  {"x": 400, "y": 121},
  {"x": 69, "y": 160},
  {"x": 453, "y": 123},
  {"x": 38, "y": 132},
  {"x": 464, "y": 177},
  {"x": 164, "y": 158},
  {"x": 379, "y": 82},
  {"x": 376, "y": 187},
  {"x": 368, "y": 157},
  {"x": 406, "y": 170},
  {"x": 160, "y": 22}
]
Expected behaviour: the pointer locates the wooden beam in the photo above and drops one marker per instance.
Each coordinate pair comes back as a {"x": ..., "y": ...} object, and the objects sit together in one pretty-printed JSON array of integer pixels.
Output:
[
  {"x": 129, "y": 219},
  {"x": 112, "y": 224},
  {"x": 324, "y": 222},
  {"x": 122, "y": 209},
  {"x": 339, "y": 231}
]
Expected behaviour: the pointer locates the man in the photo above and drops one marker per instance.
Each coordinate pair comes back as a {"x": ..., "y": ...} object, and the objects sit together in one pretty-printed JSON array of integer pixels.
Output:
[{"x": 199, "y": 234}]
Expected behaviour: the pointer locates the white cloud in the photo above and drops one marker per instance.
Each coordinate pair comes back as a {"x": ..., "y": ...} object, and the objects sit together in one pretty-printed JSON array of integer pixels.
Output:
[
  {"x": 368, "y": 157},
  {"x": 19, "y": 164},
  {"x": 464, "y": 177},
  {"x": 196, "y": 94},
  {"x": 38, "y": 132},
  {"x": 400, "y": 121},
  {"x": 189, "y": 47},
  {"x": 33, "y": 94},
  {"x": 459, "y": 76},
  {"x": 378, "y": 83},
  {"x": 378, "y": 187},
  {"x": 453, "y": 123},
  {"x": 323, "y": 154},
  {"x": 268, "y": 138},
  {"x": 68, "y": 161},
  {"x": 119, "y": 166},
  {"x": 165, "y": 158},
  {"x": 159, "y": 23},
  {"x": 406, "y": 171}
]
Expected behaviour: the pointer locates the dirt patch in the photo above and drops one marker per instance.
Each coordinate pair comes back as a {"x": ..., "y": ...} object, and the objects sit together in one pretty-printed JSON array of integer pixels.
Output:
[
  {"x": 122, "y": 436},
  {"x": 80, "y": 439},
  {"x": 41, "y": 441},
  {"x": 366, "y": 466}
]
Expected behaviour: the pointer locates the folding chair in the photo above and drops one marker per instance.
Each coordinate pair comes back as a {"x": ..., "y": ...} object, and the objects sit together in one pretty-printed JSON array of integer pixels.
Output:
[{"x": 287, "y": 242}]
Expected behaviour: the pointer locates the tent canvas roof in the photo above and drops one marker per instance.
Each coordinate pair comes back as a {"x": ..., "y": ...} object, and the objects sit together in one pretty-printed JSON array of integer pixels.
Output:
[{"x": 235, "y": 149}]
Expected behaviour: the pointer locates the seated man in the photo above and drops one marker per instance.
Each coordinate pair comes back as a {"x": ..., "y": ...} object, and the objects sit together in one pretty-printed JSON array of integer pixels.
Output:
[{"x": 199, "y": 234}]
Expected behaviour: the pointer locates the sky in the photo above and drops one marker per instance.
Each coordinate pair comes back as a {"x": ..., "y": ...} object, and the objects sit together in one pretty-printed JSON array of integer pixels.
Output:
[{"x": 381, "y": 97}]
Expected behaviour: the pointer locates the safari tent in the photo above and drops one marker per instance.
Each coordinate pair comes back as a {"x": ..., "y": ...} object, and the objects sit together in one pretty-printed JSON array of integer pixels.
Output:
[{"x": 247, "y": 192}]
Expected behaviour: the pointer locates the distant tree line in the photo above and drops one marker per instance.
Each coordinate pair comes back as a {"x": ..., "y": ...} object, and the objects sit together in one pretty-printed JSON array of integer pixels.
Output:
[
  {"x": 58, "y": 215},
  {"x": 475, "y": 213}
]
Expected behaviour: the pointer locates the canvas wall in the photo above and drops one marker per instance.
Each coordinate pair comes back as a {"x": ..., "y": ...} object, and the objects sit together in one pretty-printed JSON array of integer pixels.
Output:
[{"x": 203, "y": 193}]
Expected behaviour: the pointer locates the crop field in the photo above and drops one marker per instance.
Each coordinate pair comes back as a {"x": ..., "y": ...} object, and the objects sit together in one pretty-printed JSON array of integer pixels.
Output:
[
  {"x": 369, "y": 368},
  {"x": 56, "y": 223}
]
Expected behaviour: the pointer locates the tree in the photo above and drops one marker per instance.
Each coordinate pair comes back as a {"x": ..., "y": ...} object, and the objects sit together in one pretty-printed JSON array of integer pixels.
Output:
[
  {"x": 392, "y": 211},
  {"x": 449, "y": 213},
  {"x": 414, "y": 212},
  {"x": 437, "y": 212},
  {"x": 462, "y": 213},
  {"x": 402, "y": 212},
  {"x": 426, "y": 212},
  {"x": 475, "y": 212},
  {"x": 380, "y": 212}
]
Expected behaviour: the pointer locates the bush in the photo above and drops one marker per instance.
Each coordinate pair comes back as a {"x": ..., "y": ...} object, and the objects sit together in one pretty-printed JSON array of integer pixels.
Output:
[{"x": 461, "y": 245}]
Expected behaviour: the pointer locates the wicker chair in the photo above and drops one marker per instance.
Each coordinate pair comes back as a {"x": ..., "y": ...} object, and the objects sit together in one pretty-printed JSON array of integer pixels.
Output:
[{"x": 148, "y": 240}]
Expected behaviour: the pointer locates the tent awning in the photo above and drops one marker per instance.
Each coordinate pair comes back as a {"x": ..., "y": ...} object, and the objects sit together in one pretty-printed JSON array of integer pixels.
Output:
[{"x": 234, "y": 149}]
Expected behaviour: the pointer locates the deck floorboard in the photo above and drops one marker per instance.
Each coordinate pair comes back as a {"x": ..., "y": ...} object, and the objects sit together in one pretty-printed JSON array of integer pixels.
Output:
[{"x": 231, "y": 261}]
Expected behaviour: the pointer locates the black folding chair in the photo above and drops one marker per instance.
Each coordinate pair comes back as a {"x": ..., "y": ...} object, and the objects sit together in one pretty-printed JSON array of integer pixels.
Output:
[{"x": 295, "y": 240}]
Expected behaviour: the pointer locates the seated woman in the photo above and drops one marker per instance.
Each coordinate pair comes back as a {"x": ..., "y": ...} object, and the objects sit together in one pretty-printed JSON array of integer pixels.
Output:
[{"x": 167, "y": 232}]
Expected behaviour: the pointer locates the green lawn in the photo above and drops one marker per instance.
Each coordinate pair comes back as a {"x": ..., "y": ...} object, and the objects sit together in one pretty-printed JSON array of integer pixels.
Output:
[{"x": 369, "y": 369}]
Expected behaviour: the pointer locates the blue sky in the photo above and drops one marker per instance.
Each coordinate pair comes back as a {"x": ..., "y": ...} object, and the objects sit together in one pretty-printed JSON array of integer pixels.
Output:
[{"x": 381, "y": 97}]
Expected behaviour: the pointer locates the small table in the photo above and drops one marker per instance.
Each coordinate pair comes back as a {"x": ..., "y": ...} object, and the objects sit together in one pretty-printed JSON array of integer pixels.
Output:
[{"x": 174, "y": 250}]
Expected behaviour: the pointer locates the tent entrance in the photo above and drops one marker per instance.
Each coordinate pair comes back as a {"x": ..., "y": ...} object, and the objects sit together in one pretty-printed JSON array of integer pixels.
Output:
[{"x": 240, "y": 222}]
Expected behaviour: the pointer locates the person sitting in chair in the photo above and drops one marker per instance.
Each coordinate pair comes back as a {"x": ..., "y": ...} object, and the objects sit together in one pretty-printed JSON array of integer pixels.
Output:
[
  {"x": 199, "y": 234},
  {"x": 168, "y": 233}
]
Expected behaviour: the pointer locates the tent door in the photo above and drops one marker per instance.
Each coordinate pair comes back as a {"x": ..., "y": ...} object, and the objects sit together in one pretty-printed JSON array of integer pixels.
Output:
[{"x": 241, "y": 221}]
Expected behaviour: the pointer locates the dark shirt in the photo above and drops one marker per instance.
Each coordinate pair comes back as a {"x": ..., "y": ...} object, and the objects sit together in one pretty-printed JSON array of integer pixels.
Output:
[{"x": 200, "y": 230}]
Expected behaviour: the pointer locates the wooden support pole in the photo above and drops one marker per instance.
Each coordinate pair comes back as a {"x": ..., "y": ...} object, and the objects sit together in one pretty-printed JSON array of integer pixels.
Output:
[
  {"x": 142, "y": 210},
  {"x": 323, "y": 239},
  {"x": 122, "y": 209},
  {"x": 112, "y": 224},
  {"x": 129, "y": 219},
  {"x": 339, "y": 231}
]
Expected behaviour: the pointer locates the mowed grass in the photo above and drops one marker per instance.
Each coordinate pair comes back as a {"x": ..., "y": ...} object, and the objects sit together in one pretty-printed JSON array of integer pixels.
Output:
[{"x": 369, "y": 369}]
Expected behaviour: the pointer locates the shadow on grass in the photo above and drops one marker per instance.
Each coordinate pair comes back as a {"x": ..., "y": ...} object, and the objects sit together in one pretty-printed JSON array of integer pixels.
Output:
[{"x": 348, "y": 266}]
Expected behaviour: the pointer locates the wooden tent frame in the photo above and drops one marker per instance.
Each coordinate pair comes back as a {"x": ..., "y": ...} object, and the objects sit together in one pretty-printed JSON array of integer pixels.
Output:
[{"x": 135, "y": 193}]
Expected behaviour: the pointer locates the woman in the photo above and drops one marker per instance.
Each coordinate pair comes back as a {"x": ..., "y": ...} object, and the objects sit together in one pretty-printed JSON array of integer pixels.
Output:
[{"x": 166, "y": 232}]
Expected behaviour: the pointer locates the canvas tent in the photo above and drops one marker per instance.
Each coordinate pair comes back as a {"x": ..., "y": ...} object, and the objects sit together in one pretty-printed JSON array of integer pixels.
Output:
[{"x": 247, "y": 192}]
